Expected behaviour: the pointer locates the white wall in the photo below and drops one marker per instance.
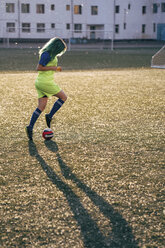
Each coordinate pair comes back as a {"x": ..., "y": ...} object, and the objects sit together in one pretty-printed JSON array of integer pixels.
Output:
[{"x": 104, "y": 21}]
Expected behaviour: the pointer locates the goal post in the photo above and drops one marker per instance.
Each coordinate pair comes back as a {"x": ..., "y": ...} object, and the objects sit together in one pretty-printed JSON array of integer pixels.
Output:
[{"x": 158, "y": 59}]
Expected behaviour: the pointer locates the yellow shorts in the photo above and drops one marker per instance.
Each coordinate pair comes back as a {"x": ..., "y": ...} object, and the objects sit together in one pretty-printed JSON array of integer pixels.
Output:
[{"x": 46, "y": 89}]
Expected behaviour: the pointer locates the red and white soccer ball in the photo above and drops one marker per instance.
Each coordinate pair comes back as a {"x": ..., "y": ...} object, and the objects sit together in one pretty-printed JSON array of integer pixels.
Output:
[{"x": 47, "y": 134}]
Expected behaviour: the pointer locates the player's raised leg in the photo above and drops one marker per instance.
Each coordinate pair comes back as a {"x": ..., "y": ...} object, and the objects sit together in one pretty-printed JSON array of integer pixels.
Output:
[{"x": 57, "y": 105}]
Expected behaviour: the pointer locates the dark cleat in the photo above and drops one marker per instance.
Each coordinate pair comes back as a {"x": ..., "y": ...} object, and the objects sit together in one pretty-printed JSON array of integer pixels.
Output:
[
  {"x": 48, "y": 120},
  {"x": 29, "y": 132}
]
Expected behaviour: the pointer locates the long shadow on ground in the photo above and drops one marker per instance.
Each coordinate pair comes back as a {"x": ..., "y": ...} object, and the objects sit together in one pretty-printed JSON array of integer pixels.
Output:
[{"x": 121, "y": 235}]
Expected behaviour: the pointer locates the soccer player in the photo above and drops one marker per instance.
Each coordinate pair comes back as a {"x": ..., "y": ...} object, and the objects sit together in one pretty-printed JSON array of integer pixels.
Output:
[{"x": 45, "y": 85}]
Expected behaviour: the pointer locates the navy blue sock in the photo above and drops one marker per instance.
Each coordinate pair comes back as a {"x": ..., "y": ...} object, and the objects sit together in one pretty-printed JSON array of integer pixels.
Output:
[
  {"x": 34, "y": 117},
  {"x": 57, "y": 105}
]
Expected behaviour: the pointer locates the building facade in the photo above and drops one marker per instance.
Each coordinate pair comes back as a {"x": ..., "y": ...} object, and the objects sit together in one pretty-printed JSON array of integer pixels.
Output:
[{"x": 94, "y": 19}]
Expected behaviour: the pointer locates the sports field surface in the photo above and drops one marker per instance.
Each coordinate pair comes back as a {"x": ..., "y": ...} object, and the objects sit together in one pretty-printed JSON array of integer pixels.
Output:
[{"x": 99, "y": 182}]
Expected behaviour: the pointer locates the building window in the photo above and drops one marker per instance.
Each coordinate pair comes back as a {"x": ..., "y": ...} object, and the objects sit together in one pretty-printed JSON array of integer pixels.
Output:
[
  {"x": 68, "y": 26},
  {"x": 155, "y": 8},
  {"x": 129, "y": 6},
  {"x": 94, "y": 10},
  {"x": 154, "y": 27},
  {"x": 40, "y": 27},
  {"x": 25, "y": 8},
  {"x": 77, "y": 9},
  {"x": 40, "y": 8},
  {"x": 143, "y": 10},
  {"x": 67, "y": 7},
  {"x": 78, "y": 28},
  {"x": 52, "y": 7},
  {"x": 26, "y": 27},
  {"x": 125, "y": 25},
  {"x": 53, "y": 25},
  {"x": 143, "y": 28},
  {"x": 163, "y": 7},
  {"x": 10, "y": 26},
  {"x": 117, "y": 28},
  {"x": 10, "y": 7},
  {"x": 117, "y": 9}
]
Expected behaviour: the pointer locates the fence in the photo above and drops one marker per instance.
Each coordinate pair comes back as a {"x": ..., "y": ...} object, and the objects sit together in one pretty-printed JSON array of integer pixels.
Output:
[{"x": 75, "y": 39}]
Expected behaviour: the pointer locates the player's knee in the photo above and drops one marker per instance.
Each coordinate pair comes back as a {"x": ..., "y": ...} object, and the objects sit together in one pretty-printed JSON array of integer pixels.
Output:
[
  {"x": 65, "y": 98},
  {"x": 42, "y": 106},
  {"x": 42, "y": 102}
]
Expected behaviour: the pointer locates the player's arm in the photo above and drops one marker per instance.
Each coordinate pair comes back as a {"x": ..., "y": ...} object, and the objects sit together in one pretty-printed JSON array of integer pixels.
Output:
[
  {"x": 44, "y": 60},
  {"x": 46, "y": 68}
]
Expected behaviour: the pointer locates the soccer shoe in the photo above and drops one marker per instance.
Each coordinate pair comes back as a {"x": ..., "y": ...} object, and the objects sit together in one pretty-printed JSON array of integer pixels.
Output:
[
  {"x": 48, "y": 120},
  {"x": 29, "y": 132}
]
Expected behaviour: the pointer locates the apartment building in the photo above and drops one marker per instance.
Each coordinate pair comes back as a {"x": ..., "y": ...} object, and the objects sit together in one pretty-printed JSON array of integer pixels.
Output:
[{"x": 94, "y": 19}]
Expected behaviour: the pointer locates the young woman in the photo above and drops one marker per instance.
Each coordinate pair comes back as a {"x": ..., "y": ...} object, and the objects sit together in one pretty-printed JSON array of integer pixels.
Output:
[{"x": 45, "y": 84}]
